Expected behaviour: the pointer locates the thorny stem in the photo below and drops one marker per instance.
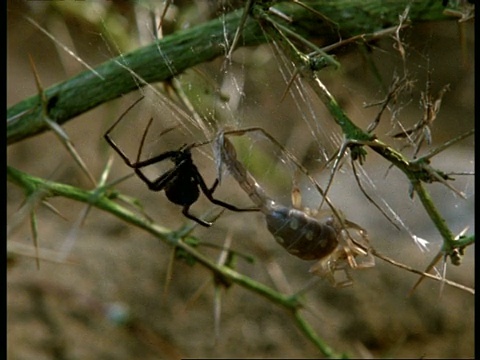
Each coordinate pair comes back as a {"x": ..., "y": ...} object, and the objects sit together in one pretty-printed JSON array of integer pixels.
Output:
[
  {"x": 57, "y": 130},
  {"x": 449, "y": 243},
  {"x": 158, "y": 61},
  {"x": 31, "y": 184},
  {"x": 184, "y": 49},
  {"x": 445, "y": 145},
  {"x": 421, "y": 273},
  {"x": 354, "y": 135},
  {"x": 155, "y": 63},
  {"x": 465, "y": 241},
  {"x": 33, "y": 226},
  {"x": 312, "y": 336}
]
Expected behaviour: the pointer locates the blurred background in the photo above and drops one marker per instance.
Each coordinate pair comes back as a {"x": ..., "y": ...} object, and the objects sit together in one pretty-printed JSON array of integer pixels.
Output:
[{"x": 93, "y": 275}]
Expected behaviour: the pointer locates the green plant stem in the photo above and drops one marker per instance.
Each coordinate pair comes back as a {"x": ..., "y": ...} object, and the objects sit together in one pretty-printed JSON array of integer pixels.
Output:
[
  {"x": 156, "y": 62},
  {"x": 465, "y": 241},
  {"x": 312, "y": 336},
  {"x": 449, "y": 242},
  {"x": 32, "y": 184},
  {"x": 177, "y": 52},
  {"x": 414, "y": 170},
  {"x": 102, "y": 200}
]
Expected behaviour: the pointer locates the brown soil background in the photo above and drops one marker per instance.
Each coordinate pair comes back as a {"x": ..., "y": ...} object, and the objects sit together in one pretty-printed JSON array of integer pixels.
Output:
[{"x": 60, "y": 311}]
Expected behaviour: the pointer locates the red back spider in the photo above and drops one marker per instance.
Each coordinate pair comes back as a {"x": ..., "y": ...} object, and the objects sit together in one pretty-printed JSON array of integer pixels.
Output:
[{"x": 182, "y": 183}]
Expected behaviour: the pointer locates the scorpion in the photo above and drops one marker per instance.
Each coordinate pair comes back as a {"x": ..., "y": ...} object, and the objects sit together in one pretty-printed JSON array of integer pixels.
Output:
[{"x": 300, "y": 232}]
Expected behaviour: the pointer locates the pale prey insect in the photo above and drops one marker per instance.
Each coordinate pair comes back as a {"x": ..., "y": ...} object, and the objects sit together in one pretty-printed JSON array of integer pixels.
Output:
[{"x": 302, "y": 233}]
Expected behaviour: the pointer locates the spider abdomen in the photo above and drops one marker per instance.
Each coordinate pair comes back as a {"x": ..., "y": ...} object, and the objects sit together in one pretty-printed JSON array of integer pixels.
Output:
[{"x": 183, "y": 190}]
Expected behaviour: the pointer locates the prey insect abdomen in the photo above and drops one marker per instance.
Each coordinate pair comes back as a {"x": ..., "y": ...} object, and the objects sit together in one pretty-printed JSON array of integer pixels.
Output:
[{"x": 300, "y": 234}]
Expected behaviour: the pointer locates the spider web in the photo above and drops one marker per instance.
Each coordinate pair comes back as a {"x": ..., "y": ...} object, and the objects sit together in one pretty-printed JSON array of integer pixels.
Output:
[
  {"x": 232, "y": 102},
  {"x": 227, "y": 95}
]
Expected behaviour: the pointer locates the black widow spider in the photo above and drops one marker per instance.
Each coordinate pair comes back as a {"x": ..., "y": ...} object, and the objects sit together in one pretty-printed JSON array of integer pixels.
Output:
[{"x": 181, "y": 183}]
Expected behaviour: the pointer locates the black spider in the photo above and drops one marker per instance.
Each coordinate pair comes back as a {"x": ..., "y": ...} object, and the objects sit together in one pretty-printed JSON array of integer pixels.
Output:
[{"x": 182, "y": 183}]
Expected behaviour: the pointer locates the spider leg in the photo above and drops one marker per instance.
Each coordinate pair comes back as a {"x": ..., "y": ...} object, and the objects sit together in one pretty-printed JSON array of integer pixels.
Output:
[
  {"x": 209, "y": 194},
  {"x": 214, "y": 186},
  {"x": 194, "y": 218},
  {"x": 292, "y": 158},
  {"x": 110, "y": 129},
  {"x": 156, "y": 185}
]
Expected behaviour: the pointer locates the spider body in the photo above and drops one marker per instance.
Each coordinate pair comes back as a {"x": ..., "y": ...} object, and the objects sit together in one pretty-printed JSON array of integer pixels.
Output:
[
  {"x": 182, "y": 184},
  {"x": 183, "y": 187}
]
